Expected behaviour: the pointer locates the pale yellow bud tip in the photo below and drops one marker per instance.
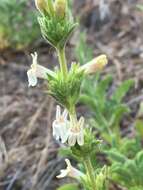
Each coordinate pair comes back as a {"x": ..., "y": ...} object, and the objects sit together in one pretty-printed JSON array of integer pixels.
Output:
[
  {"x": 60, "y": 8},
  {"x": 41, "y": 5},
  {"x": 97, "y": 64},
  {"x": 101, "y": 61}
]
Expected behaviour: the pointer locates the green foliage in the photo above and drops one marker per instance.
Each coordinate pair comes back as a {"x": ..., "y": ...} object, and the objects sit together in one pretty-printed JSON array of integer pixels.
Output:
[
  {"x": 122, "y": 90},
  {"x": 56, "y": 30},
  {"x": 115, "y": 156},
  {"x": 140, "y": 7},
  {"x": 139, "y": 121},
  {"x": 107, "y": 110},
  {"x": 124, "y": 155},
  {"x": 101, "y": 180},
  {"x": 66, "y": 91},
  {"x": 90, "y": 148},
  {"x": 82, "y": 51},
  {"x": 128, "y": 172},
  {"x": 139, "y": 126},
  {"x": 130, "y": 147},
  {"x": 18, "y": 24},
  {"x": 69, "y": 187}
]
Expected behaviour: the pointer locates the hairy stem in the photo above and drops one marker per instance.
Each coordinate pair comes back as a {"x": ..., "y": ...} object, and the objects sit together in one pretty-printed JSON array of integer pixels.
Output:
[
  {"x": 73, "y": 115},
  {"x": 62, "y": 61}
]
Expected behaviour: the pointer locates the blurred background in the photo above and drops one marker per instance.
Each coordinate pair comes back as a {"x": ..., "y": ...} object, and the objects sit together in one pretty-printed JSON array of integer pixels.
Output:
[{"x": 113, "y": 27}]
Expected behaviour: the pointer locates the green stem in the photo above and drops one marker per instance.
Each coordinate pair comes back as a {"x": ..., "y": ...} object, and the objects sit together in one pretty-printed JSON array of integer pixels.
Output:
[
  {"x": 72, "y": 114},
  {"x": 90, "y": 172},
  {"x": 62, "y": 61}
]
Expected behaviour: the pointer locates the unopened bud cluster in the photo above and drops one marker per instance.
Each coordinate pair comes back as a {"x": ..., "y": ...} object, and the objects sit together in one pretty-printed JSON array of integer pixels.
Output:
[
  {"x": 54, "y": 21},
  {"x": 58, "y": 7}
]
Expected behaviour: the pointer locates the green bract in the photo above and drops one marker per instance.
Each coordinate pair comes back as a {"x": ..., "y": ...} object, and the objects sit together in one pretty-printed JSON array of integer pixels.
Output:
[
  {"x": 90, "y": 147},
  {"x": 56, "y": 29},
  {"x": 66, "y": 90}
]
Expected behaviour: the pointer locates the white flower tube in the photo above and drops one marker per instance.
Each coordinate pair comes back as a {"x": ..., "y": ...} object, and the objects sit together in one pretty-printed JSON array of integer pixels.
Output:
[
  {"x": 61, "y": 125},
  {"x": 37, "y": 71},
  {"x": 76, "y": 133},
  {"x": 70, "y": 171},
  {"x": 95, "y": 65}
]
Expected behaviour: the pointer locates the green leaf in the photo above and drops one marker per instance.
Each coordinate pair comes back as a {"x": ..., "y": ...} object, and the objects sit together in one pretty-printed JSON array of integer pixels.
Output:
[
  {"x": 114, "y": 155},
  {"x": 139, "y": 127},
  {"x": 120, "y": 174},
  {"x": 11, "y": 14},
  {"x": 118, "y": 114},
  {"x": 103, "y": 85},
  {"x": 131, "y": 146},
  {"x": 132, "y": 168},
  {"x": 69, "y": 187},
  {"x": 129, "y": 174},
  {"x": 87, "y": 100},
  {"x": 139, "y": 157},
  {"x": 140, "y": 7},
  {"x": 82, "y": 51},
  {"x": 100, "y": 92},
  {"x": 65, "y": 152},
  {"x": 122, "y": 90}
]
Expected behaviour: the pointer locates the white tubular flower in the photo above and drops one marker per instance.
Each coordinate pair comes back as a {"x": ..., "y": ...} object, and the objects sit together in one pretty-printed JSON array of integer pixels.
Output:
[
  {"x": 37, "y": 71},
  {"x": 61, "y": 125},
  {"x": 95, "y": 65},
  {"x": 76, "y": 133},
  {"x": 70, "y": 171}
]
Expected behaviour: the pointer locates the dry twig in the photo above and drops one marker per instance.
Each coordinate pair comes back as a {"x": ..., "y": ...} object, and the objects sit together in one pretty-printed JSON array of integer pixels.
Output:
[
  {"x": 31, "y": 127},
  {"x": 44, "y": 153}
]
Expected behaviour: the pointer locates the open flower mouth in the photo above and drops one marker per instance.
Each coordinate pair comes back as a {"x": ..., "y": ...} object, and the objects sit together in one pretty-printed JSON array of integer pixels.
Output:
[
  {"x": 37, "y": 71},
  {"x": 70, "y": 171},
  {"x": 75, "y": 130}
]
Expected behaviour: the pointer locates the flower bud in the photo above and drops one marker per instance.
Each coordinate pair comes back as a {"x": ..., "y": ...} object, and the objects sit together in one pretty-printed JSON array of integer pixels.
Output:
[
  {"x": 41, "y": 5},
  {"x": 60, "y": 8},
  {"x": 95, "y": 65}
]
